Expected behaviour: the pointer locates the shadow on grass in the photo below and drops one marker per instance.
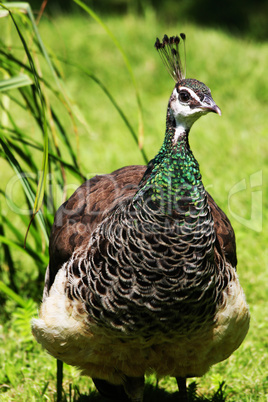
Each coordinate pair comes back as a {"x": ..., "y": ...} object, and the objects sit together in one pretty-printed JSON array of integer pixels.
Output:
[{"x": 155, "y": 394}]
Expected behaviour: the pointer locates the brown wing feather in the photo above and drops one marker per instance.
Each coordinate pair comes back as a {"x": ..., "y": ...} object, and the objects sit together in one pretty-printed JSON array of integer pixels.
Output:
[
  {"x": 224, "y": 232},
  {"x": 76, "y": 219}
]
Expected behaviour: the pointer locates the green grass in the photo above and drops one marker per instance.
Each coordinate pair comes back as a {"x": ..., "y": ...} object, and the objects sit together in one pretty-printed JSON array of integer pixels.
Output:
[{"x": 229, "y": 149}]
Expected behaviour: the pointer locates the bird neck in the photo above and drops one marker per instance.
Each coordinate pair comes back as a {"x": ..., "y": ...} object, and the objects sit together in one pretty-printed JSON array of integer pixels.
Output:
[{"x": 173, "y": 177}]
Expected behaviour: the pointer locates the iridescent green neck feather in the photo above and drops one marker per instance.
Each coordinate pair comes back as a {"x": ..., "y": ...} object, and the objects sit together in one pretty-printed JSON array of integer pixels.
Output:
[{"x": 174, "y": 180}]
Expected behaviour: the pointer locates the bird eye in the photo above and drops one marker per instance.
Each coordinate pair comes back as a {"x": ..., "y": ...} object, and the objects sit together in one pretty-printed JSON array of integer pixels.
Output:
[{"x": 184, "y": 96}]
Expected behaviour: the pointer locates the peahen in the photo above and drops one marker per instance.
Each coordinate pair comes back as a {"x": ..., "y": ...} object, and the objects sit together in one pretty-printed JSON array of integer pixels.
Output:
[{"x": 142, "y": 273}]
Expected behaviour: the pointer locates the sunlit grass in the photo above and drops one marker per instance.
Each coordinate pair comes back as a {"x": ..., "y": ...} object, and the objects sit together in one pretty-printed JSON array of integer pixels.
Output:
[{"x": 229, "y": 149}]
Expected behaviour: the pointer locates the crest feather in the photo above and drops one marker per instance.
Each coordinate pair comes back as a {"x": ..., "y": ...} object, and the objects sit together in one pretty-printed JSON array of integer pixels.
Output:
[{"x": 169, "y": 52}]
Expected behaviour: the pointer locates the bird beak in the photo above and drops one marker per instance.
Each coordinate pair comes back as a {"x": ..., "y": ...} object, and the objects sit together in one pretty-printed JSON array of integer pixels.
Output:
[
  {"x": 209, "y": 105},
  {"x": 215, "y": 109}
]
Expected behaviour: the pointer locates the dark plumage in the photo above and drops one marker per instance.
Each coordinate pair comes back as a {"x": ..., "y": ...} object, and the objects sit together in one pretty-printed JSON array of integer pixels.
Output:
[{"x": 142, "y": 264}]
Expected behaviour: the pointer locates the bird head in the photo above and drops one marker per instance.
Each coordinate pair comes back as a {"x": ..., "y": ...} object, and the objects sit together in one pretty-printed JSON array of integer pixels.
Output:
[{"x": 190, "y": 98}]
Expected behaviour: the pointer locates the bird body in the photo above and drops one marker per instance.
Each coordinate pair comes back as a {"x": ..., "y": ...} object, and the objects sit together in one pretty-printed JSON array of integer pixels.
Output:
[{"x": 142, "y": 274}]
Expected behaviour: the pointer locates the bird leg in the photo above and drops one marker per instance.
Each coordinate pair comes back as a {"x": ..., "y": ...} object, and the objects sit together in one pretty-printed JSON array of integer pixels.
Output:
[
  {"x": 181, "y": 381},
  {"x": 134, "y": 387}
]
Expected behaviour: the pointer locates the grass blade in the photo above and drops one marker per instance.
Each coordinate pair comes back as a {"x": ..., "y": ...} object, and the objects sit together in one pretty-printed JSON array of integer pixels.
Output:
[
  {"x": 7, "y": 256},
  {"x": 113, "y": 101},
  {"x": 42, "y": 180},
  {"x": 26, "y": 186},
  {"x": 14, "y": 296},
  {"x": 126, "y": 61},
  {"x": 39, "y": 257},
  {"x": 15, "y": 82}
]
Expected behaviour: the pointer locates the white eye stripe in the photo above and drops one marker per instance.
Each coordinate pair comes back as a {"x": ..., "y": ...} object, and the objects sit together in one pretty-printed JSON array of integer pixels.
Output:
[{"x": 191, "y": 93}]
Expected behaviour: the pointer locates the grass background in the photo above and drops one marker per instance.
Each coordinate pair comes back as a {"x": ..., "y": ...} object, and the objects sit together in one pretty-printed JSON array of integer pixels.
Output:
[{"x": 229, "y": 149}]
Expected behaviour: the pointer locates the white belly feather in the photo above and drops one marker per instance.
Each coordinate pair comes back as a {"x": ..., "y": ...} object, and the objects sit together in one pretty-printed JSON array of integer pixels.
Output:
[{"x": 64, "y": 330}]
